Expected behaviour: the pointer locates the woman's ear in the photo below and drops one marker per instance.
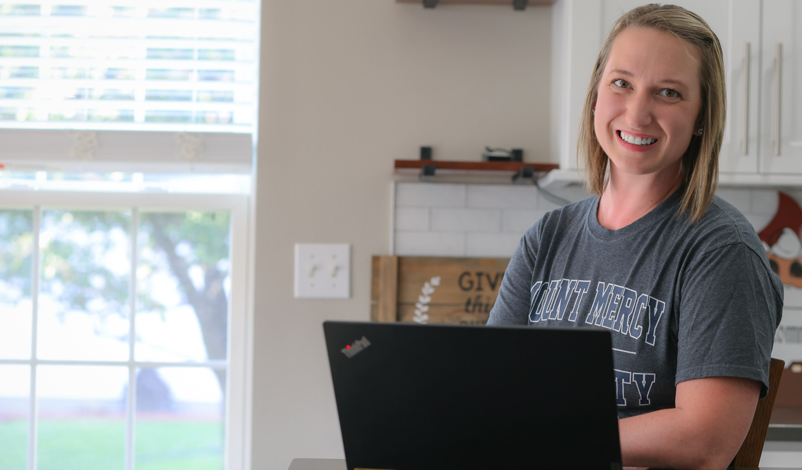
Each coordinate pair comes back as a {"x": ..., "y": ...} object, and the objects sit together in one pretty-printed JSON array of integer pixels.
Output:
[{"x": 698, "y": 128}]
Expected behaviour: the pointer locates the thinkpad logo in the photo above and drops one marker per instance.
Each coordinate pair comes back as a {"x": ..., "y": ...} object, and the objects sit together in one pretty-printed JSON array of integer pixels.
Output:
[{"x": 355, "y": 348}]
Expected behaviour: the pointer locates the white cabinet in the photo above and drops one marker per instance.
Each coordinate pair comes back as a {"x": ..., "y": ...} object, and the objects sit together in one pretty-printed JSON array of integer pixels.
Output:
[
  {"x": 753, "y": 116},
  {"x": 781, "y": 88},
  {"x": 576, "y": 39},
  {"x": 739, "y": 34}
]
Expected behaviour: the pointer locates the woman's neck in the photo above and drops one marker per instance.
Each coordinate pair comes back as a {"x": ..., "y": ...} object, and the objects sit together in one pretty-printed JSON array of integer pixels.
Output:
[{"x": 627, "y": 198}]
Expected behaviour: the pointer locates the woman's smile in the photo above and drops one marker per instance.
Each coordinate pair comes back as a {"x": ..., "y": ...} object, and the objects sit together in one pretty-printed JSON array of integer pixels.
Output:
[{"x": 636, "y": 142}]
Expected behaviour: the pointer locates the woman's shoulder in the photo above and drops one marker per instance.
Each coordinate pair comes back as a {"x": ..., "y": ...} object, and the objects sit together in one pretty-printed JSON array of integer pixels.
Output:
[
  {"x": 723, "y": 224},
  {"x": 724, "y": 229}
]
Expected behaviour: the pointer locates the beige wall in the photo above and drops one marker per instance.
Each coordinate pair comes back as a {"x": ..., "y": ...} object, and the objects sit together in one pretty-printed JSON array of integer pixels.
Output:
[{"x": 348, "y": 86}]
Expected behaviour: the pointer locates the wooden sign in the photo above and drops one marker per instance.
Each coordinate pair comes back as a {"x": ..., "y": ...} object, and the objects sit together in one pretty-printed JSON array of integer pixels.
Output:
[{"x": 434, "y": 289}]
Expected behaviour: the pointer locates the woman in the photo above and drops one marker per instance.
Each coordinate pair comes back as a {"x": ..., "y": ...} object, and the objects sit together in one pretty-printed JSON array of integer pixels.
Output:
[{"x": 678, "y": 275}]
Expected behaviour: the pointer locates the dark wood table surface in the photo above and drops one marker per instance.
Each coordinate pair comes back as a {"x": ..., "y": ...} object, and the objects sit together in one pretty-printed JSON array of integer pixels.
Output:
[
  {"x": 339, "y": 464},
  {"x": 786, "y": 425},
  {"x": 318, "y": 464}
]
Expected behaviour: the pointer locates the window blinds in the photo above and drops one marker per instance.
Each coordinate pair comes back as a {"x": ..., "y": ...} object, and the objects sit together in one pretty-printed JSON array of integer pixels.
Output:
[{"x": 181, "y": 65}]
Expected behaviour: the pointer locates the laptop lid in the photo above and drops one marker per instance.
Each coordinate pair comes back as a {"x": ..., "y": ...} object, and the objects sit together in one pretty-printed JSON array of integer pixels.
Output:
[{"x": 442, "y": 397}]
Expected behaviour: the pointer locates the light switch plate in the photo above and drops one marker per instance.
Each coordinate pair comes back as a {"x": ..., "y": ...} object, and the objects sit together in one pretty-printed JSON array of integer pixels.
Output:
[{"x": 322, "y": 271}]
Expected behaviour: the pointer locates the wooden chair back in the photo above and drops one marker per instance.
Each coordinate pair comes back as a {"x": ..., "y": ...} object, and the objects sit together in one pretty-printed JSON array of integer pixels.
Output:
[{"x": 752, "y": 448}]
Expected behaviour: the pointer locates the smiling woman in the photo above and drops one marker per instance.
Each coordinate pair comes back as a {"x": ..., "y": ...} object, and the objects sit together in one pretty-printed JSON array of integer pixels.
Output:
[
  {"x": 686, "y": 69},
  {"x": 678, "y": 274}
]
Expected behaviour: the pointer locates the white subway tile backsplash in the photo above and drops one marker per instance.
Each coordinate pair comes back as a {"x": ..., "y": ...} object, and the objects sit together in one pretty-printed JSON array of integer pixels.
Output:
[
  {"x": 492, "y": 245},
  {"x": 572, "y": 193},
  {"x": 430, "y": 195},
  {"x": 412, "y": 218},
  {"x": 551, "y": 199},
  {"x": 546, "y": 205},
  {"x": 519, "y": 221},
  {"x": 429, "y": 244},
  {"x": 440, "y": 219},
  {"x": 764, "y": 201},
  {"x": 502, "y": 196},
  {"x": 466, "y": 220}
]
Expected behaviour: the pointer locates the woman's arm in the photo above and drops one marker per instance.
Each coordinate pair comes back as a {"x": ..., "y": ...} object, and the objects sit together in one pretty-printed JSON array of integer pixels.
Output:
[{"x": 705, "y": 430}]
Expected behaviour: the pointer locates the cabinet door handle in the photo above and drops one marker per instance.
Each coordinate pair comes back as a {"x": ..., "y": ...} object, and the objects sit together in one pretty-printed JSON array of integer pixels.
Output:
[
  {"x": 777, "y": 97},
  {"x": 746, "y": 102}
]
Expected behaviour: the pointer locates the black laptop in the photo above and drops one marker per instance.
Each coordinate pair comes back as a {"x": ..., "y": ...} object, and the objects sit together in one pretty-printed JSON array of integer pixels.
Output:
[{"x": 415, "y": 397}]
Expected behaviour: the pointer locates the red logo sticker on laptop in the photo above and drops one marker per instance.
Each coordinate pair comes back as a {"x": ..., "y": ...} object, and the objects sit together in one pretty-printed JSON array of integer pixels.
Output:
[{"x": 355, "y": 348}]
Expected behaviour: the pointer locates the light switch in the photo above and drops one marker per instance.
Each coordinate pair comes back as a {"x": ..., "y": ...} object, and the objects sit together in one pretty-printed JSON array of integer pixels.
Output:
[{"x": 322, "y": 271}]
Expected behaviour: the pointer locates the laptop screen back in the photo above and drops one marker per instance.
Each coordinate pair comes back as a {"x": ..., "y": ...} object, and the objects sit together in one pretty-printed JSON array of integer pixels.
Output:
[{"x": 436, "y": 396}]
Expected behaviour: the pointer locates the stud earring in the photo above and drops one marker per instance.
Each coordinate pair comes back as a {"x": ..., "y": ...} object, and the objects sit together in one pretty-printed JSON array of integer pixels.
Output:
[{"x": 700, "y": 131}]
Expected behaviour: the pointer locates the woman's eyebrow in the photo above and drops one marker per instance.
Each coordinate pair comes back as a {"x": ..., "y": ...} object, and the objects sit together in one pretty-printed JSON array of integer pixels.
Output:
[
  {"x": 671, "y": 81},
  {"x": 620, "y": 72}
]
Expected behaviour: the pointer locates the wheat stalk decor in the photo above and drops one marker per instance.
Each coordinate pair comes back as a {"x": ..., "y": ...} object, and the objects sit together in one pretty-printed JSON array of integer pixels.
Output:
[{"x": 422, "y": 305}]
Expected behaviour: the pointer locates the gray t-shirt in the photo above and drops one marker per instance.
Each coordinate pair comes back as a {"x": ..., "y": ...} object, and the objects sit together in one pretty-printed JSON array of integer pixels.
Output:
[{"x": 683, "y": 300}]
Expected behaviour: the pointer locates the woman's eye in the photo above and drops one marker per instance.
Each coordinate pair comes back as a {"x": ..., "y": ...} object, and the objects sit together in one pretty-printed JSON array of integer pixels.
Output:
[
  {"x": 669, "y": 93},
  {"x": 621, "y": 83}
]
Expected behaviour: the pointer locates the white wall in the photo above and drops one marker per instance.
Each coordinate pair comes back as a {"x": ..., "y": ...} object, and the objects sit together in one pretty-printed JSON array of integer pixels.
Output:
[{"x": 348, "y": 86}]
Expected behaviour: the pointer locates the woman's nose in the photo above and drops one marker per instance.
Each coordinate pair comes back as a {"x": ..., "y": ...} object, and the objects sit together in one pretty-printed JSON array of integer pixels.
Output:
[{"x": 639, "y": 110}]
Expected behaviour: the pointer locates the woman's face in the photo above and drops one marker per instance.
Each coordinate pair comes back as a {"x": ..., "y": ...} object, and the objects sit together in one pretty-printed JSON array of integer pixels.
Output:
[{"x": 648, "y": 102}]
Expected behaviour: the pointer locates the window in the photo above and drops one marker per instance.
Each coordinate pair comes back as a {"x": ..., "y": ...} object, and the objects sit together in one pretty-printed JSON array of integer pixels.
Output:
[
  {"x": 88, "y": 384},
  {"x": 129, "y": 64},
  {"x": 124, "y": 203}
]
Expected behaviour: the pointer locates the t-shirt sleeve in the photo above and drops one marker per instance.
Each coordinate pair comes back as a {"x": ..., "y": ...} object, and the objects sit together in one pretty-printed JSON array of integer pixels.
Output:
[
  {"x": 512, "y": 303},
  {"x": 729, "y": 311}
]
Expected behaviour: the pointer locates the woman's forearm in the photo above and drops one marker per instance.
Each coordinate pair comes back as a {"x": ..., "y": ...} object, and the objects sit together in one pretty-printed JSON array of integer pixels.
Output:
[{"x": 705, "y": 430}]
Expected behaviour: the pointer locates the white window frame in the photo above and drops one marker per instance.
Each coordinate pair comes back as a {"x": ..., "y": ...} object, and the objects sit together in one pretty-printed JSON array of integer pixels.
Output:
[
  {"x": 126, "y": 151},
  {"x": 240, "y": 350}
]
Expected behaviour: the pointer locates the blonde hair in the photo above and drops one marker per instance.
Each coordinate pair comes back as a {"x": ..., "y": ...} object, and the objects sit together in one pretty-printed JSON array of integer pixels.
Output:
[{"x": 700, "y": 160}]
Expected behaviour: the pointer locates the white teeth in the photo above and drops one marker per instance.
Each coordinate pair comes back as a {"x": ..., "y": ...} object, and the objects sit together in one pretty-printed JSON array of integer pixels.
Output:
[{"x": 636, "y": 140}]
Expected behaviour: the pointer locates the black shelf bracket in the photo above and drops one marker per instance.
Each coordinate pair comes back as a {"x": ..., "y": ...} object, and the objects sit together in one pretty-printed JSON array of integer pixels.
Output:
[
  {"x": 425, "y": 153},
  {"x": 427, "y": 172},
  {"x": 516, "y": 4},
  {"x": 524, "y": 174}
]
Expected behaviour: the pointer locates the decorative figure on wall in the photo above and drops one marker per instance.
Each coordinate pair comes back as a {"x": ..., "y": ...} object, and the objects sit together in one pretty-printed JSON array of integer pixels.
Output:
[
  {"x": 782, "y": 238},
  {"x": 190, "y": 146},
  {"x": 84, "y": 145}
]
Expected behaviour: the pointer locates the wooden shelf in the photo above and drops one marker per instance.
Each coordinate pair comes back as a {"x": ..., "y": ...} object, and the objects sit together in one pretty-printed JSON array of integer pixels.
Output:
[
  {"x": 480, "y": 2},
  {"x": 480, "y": 172},
  {"x": 511, "y": 167}
]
